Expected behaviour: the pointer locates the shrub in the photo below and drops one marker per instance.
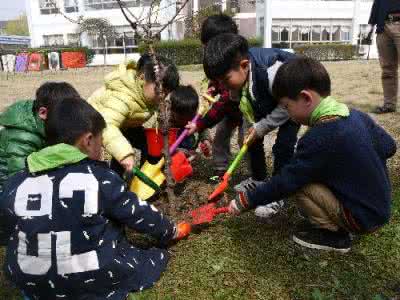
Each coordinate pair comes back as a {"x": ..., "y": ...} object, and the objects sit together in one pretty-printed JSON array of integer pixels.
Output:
[
  {"x": 327, "y": 51},
  {"x": 184, "y": 52}
]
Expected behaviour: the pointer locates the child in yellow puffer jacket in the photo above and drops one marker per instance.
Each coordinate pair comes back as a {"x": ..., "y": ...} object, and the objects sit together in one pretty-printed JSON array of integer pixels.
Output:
[{"x": 126, "y": 101}]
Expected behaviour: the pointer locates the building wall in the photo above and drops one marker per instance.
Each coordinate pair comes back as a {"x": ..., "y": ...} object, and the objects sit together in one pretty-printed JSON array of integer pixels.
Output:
[
  {"x": 55, "y": 24},
  {"x": 314, "y": 12},
  {"x": 247, "y": 27},
  {"x": 318, "y": 16}
]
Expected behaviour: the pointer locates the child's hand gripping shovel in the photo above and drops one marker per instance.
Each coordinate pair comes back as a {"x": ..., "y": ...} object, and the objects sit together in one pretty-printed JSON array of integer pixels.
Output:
[
  {"x": 203, "y": 110},
  {"x": 225, "y": 179},
  {"x": 180, "y": 165},
  {"x": 206, "y": 213},
  {"x": 180, "y": 169},
  {"x": 144, "y": 178},
  {"x": 153, "y": 172}
]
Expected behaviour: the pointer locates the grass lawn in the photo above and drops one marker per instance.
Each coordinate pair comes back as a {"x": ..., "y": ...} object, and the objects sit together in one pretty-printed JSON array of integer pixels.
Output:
[{"x": 242, "y": 258}]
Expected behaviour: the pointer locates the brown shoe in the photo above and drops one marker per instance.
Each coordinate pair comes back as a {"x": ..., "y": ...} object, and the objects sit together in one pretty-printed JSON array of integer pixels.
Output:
[{"x": 383, "y": 110}]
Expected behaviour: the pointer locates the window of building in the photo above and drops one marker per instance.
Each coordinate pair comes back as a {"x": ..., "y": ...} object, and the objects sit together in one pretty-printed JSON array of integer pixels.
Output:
[
  {"x": 295, "y": 33},
  {"x": 47, "y": 7},
  {"x": 285, "y": 34},
  {"x": 336, "y": 33},
  {"x": 275, "y": 34},
  {"x": 71, "y": 6},
  {"x": 326, "y": 34},
  {"x": 112, "y": 4},
  {"x": 316, "y": 33},
  {"x": 345, "y": 33},
  {"x": 73, "y": 39},
  {"x": 53, "y": 40},
  {"x": 262, "y": 26},
  {"x": 124, "y": 42},
  {"x": 305, "y": 34}
]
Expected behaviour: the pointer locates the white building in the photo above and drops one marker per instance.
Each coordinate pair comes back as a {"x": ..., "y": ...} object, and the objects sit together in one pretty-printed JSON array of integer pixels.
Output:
[
  {"x": 49, "y": 25},
  {"x": 301, "y": 21},
  {"x": 293, "y": 22},
  {"x": 316, "y": 21}
]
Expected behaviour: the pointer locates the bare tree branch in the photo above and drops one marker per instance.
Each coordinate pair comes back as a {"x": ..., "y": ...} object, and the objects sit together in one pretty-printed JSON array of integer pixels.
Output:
[
  {"x": 55, "y": 6},
  {"x": 174, "y": 17},
  {"x": 131, "y": 23}
]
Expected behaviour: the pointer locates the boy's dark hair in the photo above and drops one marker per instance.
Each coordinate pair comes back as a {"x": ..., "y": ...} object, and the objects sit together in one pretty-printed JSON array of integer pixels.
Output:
[
  {"x": 184, "y": 100},
  {"x": 170, "y": 74},
  {"x": 69, "y": 119},
  {"x": 224, "y": 53},
  {"x": 215, "y": 25},
  {"x": 49, "y": 93},
  {"x": 298, "y": 74}
]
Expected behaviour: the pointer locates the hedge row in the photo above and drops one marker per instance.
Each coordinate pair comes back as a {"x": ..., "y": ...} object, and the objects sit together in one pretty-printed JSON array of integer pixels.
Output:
[
  {"x": 325, "y": 52},
  {"x": 189, "y": 52},
  {"x": 184, "y": 52}
]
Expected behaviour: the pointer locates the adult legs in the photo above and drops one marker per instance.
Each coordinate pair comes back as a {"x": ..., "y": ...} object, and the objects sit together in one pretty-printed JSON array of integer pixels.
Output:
[{"x": 388, "y": 43}]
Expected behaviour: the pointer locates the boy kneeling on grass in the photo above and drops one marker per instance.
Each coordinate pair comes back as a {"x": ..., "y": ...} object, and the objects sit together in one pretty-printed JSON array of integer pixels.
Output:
[
  {"x": 68, "y": 210},
  {"x": 23, "y": 133},
  {"x": 338, "y": 173}
]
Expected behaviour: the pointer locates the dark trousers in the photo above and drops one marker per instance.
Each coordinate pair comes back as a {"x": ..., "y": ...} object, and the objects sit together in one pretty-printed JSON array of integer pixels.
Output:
[
  {"x": 6, "y": 228},
  {"x": 136, "y": 136},
  {"x": 282, "y": 150}
]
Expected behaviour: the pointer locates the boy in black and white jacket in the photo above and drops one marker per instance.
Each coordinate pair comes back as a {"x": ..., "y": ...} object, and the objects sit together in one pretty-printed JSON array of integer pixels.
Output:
[{"x": 68, "y": 208}]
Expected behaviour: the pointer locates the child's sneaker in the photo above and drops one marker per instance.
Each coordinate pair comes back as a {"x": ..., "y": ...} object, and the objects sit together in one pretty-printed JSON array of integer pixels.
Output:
[
  {"x": 269, "y": 210},
  {"x": 247, "y": 185},
  {"x": 323, "y": 239}
]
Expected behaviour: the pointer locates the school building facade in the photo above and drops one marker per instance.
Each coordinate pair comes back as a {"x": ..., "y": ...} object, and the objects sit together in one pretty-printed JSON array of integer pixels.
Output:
[
  {"x": 51, "y": 25},
  {"x": 293, "y": 22}
]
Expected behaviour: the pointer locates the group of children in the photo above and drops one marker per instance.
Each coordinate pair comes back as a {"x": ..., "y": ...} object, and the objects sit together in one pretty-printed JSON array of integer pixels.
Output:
[{"x": 63, "y": 210}]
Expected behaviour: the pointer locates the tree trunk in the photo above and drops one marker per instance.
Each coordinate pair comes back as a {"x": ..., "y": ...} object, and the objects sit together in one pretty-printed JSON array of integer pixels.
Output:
[
  {"x": 166, "y": 105},
  {"x": 164, "y": 117}
]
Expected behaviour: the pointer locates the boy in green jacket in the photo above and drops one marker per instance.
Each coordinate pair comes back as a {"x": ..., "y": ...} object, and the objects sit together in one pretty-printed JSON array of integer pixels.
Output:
[{"x": 23, "y": 131}]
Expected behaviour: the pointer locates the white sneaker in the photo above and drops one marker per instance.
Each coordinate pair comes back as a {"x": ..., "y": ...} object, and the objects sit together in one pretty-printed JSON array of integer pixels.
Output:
[{"x": 269, "y": 210}]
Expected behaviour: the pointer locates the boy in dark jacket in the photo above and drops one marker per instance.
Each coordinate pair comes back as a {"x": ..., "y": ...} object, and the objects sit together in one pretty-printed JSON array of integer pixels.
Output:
[
  {"x": 23, "y": 131},
  {"x": 338, "y": 174},
  {"x": 68, "y": 210},
  {"x": 248, "y": 74},
  {"x": 224, "y": 114}
]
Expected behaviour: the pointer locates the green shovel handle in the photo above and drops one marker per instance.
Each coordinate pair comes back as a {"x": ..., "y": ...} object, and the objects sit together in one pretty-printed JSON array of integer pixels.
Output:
[
  {"x": 237, "y": 160},
  {"x": 145, "y": 179}
]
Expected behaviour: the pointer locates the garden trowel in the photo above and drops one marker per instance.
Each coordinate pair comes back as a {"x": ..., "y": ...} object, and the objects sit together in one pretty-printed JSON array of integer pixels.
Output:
[
  {"x": 225, "y": 179},
  {"x": 142, "y": 190},
  {"x": 180, "y": 165},
  {"x": 180, "y": 169},
  {"x": 206, "y": 213}
]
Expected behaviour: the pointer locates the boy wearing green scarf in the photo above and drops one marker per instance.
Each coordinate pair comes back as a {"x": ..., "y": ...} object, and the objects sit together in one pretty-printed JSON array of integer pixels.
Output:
[{"x": 338, "y": 175}]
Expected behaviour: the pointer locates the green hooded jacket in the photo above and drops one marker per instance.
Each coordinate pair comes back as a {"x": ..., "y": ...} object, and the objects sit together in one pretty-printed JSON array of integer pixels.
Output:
[{"x": 22, "y": 134}]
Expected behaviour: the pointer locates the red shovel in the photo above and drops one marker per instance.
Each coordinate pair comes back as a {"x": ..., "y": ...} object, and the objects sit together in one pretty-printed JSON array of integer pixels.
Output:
[
  {"x": 206, "y": 213},
  {"x": 180, "y": 166},
  {"x": 225, "y": 180}
]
